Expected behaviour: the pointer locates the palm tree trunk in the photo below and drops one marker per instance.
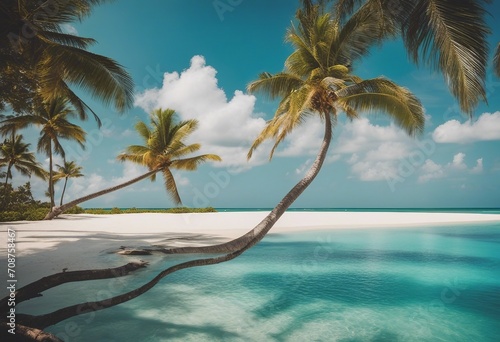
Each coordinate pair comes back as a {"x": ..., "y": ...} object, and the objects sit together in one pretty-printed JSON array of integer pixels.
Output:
[
  {"x": 256, "y": 234},
  {"x": 234, "y": 248},
  {"x": 51, "y": 182},
  {"x": 59, "y": 210},
  {"x": 5, "y": 200},
  {"x": 7, "y": 176},
  {"x": 64, "y": 189}
]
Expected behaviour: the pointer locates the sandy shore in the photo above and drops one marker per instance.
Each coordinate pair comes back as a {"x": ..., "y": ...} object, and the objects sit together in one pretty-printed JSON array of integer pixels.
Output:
[{"x": 84, "y": 241}]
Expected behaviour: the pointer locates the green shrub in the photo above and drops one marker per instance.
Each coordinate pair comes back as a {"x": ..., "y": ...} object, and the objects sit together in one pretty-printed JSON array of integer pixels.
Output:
[
  {"x": 97, "y": 211},
  {"x": 185, "y": 210},
  {"x": 75, "y": 210},
  {"x": 116, "y": 210},
  {"x": 36, "y": 214},
  {"x": 6, "y": 216}
]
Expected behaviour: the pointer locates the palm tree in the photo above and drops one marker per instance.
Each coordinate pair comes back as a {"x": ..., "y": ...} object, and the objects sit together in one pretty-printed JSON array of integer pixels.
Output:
[
  {"x": 14, "y": 153},
  {"x": 163, "y": 150},
  {"x": 52, "y": 118},
  {"x": 44, "y": 60},
  {"x": 66, "y": 171},
  {"x": 316, "y": 82},
  {"x": 448, "y": 36}
]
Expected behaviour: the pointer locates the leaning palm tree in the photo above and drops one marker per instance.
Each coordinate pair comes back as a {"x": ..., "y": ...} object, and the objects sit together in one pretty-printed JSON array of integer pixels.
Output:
[
  {"x": 68, "y": 170},
  {"x": 45, "y": 61},
  {"x": 52, "y": 117},
  {"x": 317, "y": 83},
  {"x": 164, "y": 150},
  {"x": 448, "y": 36},
  {"x": 14, "y": 153}
]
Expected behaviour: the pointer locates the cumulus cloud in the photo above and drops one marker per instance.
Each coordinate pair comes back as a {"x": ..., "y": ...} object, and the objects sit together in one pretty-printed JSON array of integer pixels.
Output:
[
  {"x": 479, "y": 167},
  {"x": 486, "y": 127},
  {"x": 227, "y": 126},
  {"x": 372, "y": 151},
  {"x": 305, "y": 140},
  {"x": 458, "y": 161},
  {"x": 431, "y": 170}
]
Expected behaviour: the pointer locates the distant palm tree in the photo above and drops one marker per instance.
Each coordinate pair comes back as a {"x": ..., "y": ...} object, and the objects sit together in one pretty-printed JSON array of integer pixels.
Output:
[
  {"x": 38, "y": 58},
  {"x": 164, "y": 149},
  {"x": 449, "y": 36},
  {"x": 51, "y": 117},
  {"x": 68, "y": 170},
  {"x": 14, "y": 153}
]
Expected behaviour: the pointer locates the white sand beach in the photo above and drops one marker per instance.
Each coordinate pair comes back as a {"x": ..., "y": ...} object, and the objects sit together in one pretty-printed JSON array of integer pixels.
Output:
[{"x": 76, "y": 242}]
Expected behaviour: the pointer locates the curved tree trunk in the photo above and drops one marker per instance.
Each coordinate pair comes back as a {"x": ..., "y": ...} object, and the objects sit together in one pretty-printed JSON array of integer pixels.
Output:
[
  {"x": 7, "y": 176},
  {"x": 64, "y": 189},
  {"x": 51, "y": 181},
  {"x": 59, "y": 210},
  {"x": 233, "y": 249},
  {"x": 5, "y": 200},
  {"x": 268, "y": 222}
]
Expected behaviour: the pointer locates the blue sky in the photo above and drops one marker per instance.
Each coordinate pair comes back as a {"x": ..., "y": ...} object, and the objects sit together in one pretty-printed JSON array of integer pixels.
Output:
[{"x": 198, "y": 56}]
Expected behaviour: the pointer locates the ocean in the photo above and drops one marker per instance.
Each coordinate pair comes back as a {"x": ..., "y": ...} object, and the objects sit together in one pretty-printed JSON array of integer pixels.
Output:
[{"x": 401, "y": 284}]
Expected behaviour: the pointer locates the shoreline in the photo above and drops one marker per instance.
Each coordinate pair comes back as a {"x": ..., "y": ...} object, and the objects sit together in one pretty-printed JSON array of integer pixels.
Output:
[{"x": 85, "y": 241}]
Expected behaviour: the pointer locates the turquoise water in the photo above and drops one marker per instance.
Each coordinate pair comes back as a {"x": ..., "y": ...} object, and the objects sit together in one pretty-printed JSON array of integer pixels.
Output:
[{"x": 408, "y": 284}]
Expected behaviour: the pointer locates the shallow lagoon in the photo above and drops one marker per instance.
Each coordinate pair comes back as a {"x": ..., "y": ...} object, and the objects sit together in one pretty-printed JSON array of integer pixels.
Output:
[{"x": 407, "y": 284}]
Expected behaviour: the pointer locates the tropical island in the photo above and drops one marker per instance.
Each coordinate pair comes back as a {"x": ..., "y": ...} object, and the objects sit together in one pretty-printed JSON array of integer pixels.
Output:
[{"x": 322, "y": 123}]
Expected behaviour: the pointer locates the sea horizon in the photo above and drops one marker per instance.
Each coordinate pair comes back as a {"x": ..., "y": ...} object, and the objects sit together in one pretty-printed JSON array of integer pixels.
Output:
[{"x": 327, "y": 209}]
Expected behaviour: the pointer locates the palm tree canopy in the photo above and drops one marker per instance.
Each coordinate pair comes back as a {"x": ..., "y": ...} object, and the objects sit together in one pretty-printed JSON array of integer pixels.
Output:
[
  {"x": 15, "y": 153},
  {"x": 68, "y": 170},
  {"x": 449, "y": 36},
  {"x": 317, "y": 77},
  {"x": 165, "y": 149},
  {"x": 35, "y": 50},
  {"x": 52, "y": 117}
]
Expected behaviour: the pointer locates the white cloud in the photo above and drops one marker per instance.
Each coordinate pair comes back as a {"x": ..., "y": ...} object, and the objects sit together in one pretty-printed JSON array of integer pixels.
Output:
[
  {"x": 370, "y": 171},
  {"x": 479, "y": 167},
  {"x": 431, "y": 170},
  {"x": 458, "y": 162},
  {"x": 305, "y": 140},
  {"x": 487, "y": 127},
  {"x": 69, "y": 29},
  {"x": 372, "y": 151},
  {"x": 227, "y": 126}
]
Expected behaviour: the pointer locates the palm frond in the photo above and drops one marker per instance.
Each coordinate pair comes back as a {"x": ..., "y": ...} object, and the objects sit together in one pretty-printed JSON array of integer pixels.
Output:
[
  {"x": 383, "y": 95},
  {"x": 450, "y": 36},
  {"x": 184, "y": 150},
  {"x": 66, "y": 39},
  {"x": 104, "y": 78},
  {"x": 279, "y": 85},
  {"x": 171, "y": 187},
  {"x": 191, "y": 164}
]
